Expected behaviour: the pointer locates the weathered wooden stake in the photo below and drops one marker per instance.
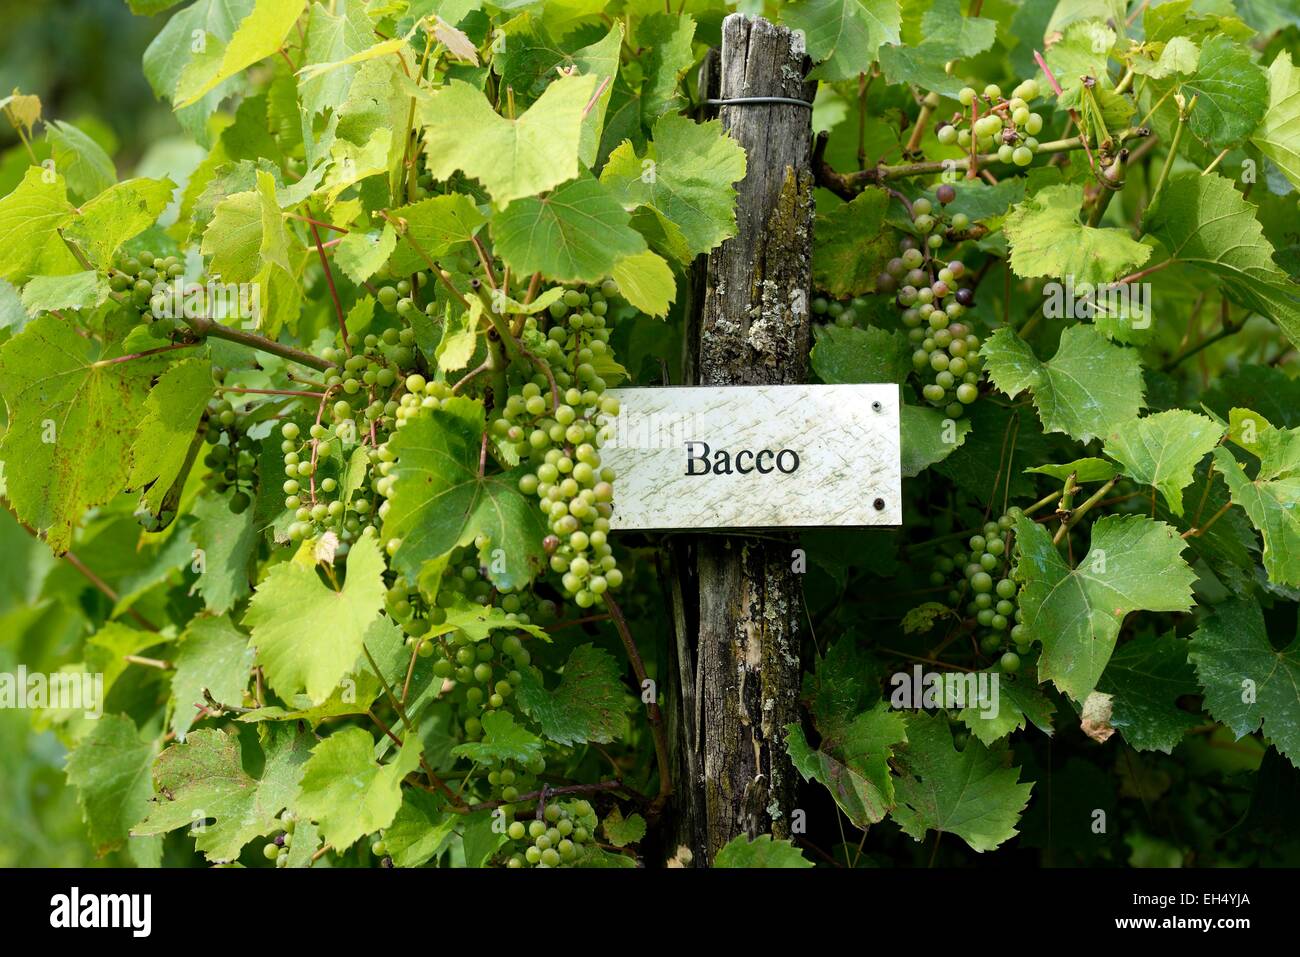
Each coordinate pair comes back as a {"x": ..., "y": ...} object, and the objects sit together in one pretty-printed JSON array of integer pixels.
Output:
[{"x": 752, "y": 330}]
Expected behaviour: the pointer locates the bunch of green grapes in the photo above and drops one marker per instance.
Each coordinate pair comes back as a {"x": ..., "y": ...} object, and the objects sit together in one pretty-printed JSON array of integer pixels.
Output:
[
  {"x": 993, "y": 595},
  {"x": 554, "y": 421},
  {"x": 946, "y": 355},
  {"x": 144, "y": 278},
  {"x": 555, "y": 839},
  {"x": 840, "y": 313},
  {"x": 997, "y": 123},
  {"x": 365, "y": 411},
  {"x": 232, "y": 456},
  {"x": 277, "y": 849}
]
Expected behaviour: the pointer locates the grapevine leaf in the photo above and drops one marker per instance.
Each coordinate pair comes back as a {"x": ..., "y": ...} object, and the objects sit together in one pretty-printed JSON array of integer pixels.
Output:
[
  {"x": 503, "y": 740},
  {"x": 1162, "y": 450},
  {"x": 992, "y": 715},
  {"x": 420, "y": 829},
  {"x": 1204, "y": 222},
  {"x": 166, "y": 429},
  {"x": 843, "y": 35},
  {"x": 258, "y": 36},
  {"x": 1248, "y": 684},
  {"x": 440, "y": 501},
  {"x": 110, "y": 770},
  {"x": 459, "y": 336},
  {"x": 1232, "y": 93},
  {"x": 476, "y": 622},
  {"x": 685, "y": 176},
  {"x": 990, "y": 459},
  {"x": 30, "y": 218},
  {"x": 307, "y": 634},
  {"x": 762, "y": 851},
  {"x": 226, "y": 543},
  {"x": 853, "y": 244},
  {"x": 72, "y": 422},
  {"x": 480, "y": 837},
  {"x": 1083, "y": 51},
  {"x": 928, "y": 436},
  {"x": 174, "y": 49},
  {"x": 923, "y": 616},
  {"x": 437, "y": 225},
  {"x": 1271, "y": 499},
  {"x": 854, "y": 765},
  {"x": 1145, "y": 677},
  {"x": 213, "y": 655},
  {"x": 1133, "y": 564},
  {"x": 1084, "y": 470},
  {"x": 204, "y": 779},
  {"x": 22, "y": 109},
  {"x": 576, "y": 233},
  {"x": 948, "y": 35},
  {"x": 511, "y": 158},
  {"x": 849, "y": 354},
  {"x": 1278, "y": 135},
  {"x": 646, "y": 281},
  {"x": 845, "y": 683},
  {"x": 346, "y": 792},
  {"x": 85, "y": 166},
  {"x": 1267, "y": 391},
  {"x": 332, "y": 39},
  {"x": 1178, "y": 18},
  {"x": 78, "y": 290},
  {"x": 361, "y": 254},
  {"x": 1161, "y": 60},
  {"x": 622, "y": 831},
  {"x": 670, "y": 56},
  {"x": 13, "y": 316},
  {"x": 1089, "y": 388},
  {"x": 234, "y": 237},
  {"x": 590, "y": 703},
  {"x": 119, "y": 213},
  {"x": 970, "y": 793},
  {"x": 1047, "y": 239}
]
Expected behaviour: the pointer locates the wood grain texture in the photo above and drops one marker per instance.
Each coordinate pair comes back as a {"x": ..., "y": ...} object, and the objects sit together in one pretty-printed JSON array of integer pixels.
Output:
[{"x": 753, "y": 330}]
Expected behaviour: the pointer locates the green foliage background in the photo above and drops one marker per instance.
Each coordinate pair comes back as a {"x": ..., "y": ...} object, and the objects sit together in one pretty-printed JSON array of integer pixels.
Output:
[{"x": 1179, "y": 580}]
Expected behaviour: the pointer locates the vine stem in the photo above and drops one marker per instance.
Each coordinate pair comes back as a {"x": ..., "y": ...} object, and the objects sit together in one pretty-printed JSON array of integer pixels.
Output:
[
  {"x": 209, "y": 327},
  {"x": 334, "y": 293},
  {"x": 1143, "y": 273},
  {"x": 141, "y": 355},
  {"x": 401, "y": 227},
  {"x": 597, "y": 788},
  {"x": 1082, "y": 510},
  {"x": 1173, "y": 151},
  {"x": 1201, "y": 530},
  {"x": 410, "y": 729},
  {"x": 652, "y": 708},
  {"x": 298, "y": 392},
  {"x": 1223, "y": 333},
  {"x": 848, "y": 185},
  {"x": 104, "y": 588}
]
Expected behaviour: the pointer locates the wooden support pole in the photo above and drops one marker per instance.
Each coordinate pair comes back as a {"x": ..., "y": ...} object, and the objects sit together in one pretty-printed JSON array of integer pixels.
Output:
[{"x": 746, "y": 604}]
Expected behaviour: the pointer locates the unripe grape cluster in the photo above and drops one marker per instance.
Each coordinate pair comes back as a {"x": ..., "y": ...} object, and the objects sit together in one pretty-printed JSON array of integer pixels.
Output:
[
  {"x": 231, "y": 457},
  {"x": 358, "y": 405},
  {"x": 844, "y": 313},
  {"x": 932, "y": 299},
  {"x": 554, "y": 422},
  {"x": 990, "y": 594},
  {"x": 277, "y": 849},
  {"x": 144, "y": 277},
  {"x": 554, "y": 840},
  {"x": 996, "y": 123}
]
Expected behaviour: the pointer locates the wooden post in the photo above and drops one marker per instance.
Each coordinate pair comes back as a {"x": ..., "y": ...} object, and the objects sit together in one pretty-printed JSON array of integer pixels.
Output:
[{"x": 747, "y": 602}]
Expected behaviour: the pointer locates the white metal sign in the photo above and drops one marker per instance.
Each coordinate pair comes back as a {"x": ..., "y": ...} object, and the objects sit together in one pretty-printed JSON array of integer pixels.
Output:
[{"x": 755, "y": 457}]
